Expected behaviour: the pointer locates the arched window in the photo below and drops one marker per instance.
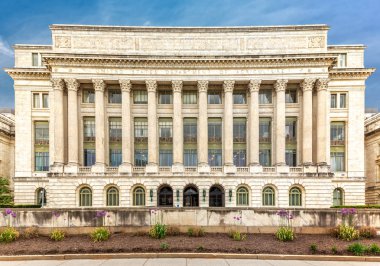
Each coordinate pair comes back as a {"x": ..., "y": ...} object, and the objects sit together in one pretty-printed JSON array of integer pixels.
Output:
[
  {"x": 295, "y": 197},
  {"x": 41, "y": 196},
  {"x": 338, "y": 197},
  {"x": 85, "y": 197},
  {"x": 165, "y": 197},
  {"x": 138, "y": 196},
  {"x": 190, "y": 196},
  {"x": 269, "y": 197},
  {"x": 242, "y": 197},
  {"x": 112, "y": 196},
  {"x": 216, "y": 197}
]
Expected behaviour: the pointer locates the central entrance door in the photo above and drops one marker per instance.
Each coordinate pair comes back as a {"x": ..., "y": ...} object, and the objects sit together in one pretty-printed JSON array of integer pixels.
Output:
[{"x": 216, "y": 196}]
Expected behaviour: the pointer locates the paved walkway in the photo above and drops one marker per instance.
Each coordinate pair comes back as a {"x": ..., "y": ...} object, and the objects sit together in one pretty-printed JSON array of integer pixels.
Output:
[{"x": 185, "y": 262}]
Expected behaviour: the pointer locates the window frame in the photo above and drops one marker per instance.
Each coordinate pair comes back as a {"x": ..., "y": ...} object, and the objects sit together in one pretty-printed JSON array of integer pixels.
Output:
[
  {"x": 111, "y": 93},
  {"x": 138, "y": 196},
  {"x": 140, "y": 97},
  {"x": 112, "y": 198},
  {"x": 88, "y": 196},
  {"x": 86, "y": 94},
  {"x": 242, "y": 198},
  {"x": 295, "y": 197},
  {"x": 265, "y": 196},
  {"x": 335, "y": 198},
  {"x": 189, "y": 95}
]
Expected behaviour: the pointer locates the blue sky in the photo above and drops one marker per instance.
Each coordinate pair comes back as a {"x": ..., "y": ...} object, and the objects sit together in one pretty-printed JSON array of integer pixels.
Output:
[{"x": 351, "y": 22}]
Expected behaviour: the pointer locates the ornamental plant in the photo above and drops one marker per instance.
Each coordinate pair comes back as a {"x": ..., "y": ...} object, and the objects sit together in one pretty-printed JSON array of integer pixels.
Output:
[
  {"x": 357, "y": 249},
  {"x": 236, "y": 234},
  {"x": 285, "y": 232},
  {"x": 8, "y": 234},
  {"x": 57, "y": 235},
  {"x": 195, "y": 232},
  {"x": 158, "y": 231},
  {"x": 100, "y": 234},
  {"x": 347, "y": 231}
]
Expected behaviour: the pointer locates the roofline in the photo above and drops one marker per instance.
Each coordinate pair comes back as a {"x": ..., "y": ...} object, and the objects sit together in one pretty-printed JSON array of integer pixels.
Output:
[
  {"x": 346, "y": 46},
  {"x": 32, "y": 46}
]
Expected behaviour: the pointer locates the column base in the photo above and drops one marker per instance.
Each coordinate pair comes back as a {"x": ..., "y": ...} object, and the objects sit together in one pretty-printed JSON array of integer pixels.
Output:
[
  {"x": 229, "y": 169},
  {"x": 57, "y": 168},
  {"x": 178, "y": 168},
  {"x": 72, "y": 168},
  {"x": 125, "y": 168},
  {"x": 204, "y": 168},
  {"x": 323, "y": 168},
  {"x": 98, "y": 168},
  {"x": 255, "y": 168},
  {"x": 151, "y": 168},
  {"x": 309, "y": 168},
  {"x": 282, "y": 168}
]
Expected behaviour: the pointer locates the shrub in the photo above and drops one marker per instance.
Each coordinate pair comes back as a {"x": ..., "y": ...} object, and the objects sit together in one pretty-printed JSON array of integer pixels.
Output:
[
  {"x": 173, "y": 231},
  {"x": 200, "y": 248},
  {"x": 313, "y": 248},
  {"x": 8, "y": 234},
  {"x": 195, "y": 232},
  {"x": 334, "y": 250},
  {"x": 158, "y": 231},
  {"x": 357, "y": 249},
  {"x": 30, "y": 232},
  {"x": 57, "y": 235},
  {"x": 237, "y": 235},
  {"x": 285, "y": 234},
  {"x": 347, "y": 233},
  {"x": 100, "y": 234},
  {"x": 164, "y": 246},
  {"x": 374, "y": 248},
  {"x": 5, "y": 192},
  {"x": 367, "y": 232}
]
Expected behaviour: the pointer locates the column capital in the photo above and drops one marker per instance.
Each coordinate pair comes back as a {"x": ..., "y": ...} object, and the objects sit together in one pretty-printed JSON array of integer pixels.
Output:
[
  {"x": 125, "y": 85},
  {"x": 177, "y": 85},
  {"x": 307, "y": 84},
  {"x": 57, "y": 83},
  {"x": 99, "y": 84},
  {"x": 72, "y": 84},
  {"x": 228, "y": 85},
  {"x": 151, "y": 85},
  {"x": 280, "y": 84},
  {"x": 322, "y": 84},
  {"x": 202, "y": 85},
  {"x": 254, "y": 85}
]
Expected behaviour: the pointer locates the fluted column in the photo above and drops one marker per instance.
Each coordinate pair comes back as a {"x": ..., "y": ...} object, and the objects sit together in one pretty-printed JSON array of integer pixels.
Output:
[
  {"x": 228, "y": 87},
  {"x": 307, "y": 121},
  {"x": 59, "y": 141},
  {"x": 322, "y": 123},
  {"x": 152, "y": 166},
  {"x": 100, "y": 163},
  {"x": 280, "y": 87},
  {"x": 202, "y": 141},
  {"x": 253, "y": 123},
  {"x": 72, "y": 124},
  {"x": 177, "y": 127},
  {"x": 126, "y": 166}
]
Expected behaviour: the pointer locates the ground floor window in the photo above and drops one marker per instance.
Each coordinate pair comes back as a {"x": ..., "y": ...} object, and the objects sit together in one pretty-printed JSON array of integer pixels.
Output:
[
  {"x": 165, "y": 197},
  {"x": 338, "y": 197},
  {"x": 242, "y": 197},
  {"x": 190, "y": 197},
  {"x": 216, "y": 196},
  {"x": 85, "y": 197},
  {"x": 268, "y": 197},
  {"x": 138, "y": 196},
  {"x": 41, "y": 196},
  {"x": 295, "y": 197},
  {"x": 112, "y": 197}
]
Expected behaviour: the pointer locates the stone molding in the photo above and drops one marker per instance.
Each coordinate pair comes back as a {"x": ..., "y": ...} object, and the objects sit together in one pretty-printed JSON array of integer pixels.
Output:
[
  {"x": 22, "y": 74},
  {"x": 351, "y": 73},
  {"x": 228, "y": 85},
  {"x": 99, "y": 84},
  {"x": 151, "y": 85},
  {"x": 177, "y": 85},
  {"x": 202, "y": 85},
  {"x": 322, "y": 84},
  {"x": 280, "y": 85},
  {"x": 57, "y": 84},
  {"x": 72, "y": 84},
  {"x": 307, "y": 84},
  {"x": 254, "y": 85},
  {"x": 125, "y": 85}
]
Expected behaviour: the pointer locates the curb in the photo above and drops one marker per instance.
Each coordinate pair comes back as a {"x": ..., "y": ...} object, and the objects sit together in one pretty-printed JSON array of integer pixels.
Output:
[{"x": 189, "y": 255}]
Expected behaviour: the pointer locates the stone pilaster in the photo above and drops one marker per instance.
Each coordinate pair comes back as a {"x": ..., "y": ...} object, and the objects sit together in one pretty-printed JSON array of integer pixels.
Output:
[
  {"x": 59, "y": 140},
  {"x": 229, "y": 167},
  {"x": 253, "y": 123},
  {"x": 126, "y": 166},
  {"x": 280, "y": 87},
  {"x": 203, "y": 166},
  {"x": 100, "y": 164},
  {"x": 72, "y": 125},
  {"x": 322, "y": 122},
  {"x": 152, "y": 166},
  {"x": 177, "y": 127},
  {"x": 307, "y": 121}
]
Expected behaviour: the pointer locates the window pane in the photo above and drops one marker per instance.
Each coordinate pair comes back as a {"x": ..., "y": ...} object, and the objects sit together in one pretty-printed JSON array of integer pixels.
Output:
[
  {"x": 265, "y": 130},
  {"x": 265, "y": 157},
  {"x": 291, "y": 96},
  {"x": 138, "y": 197},
  {"x": 85, "y": 197},
  {"x": 45, "y": 100},
  {"x": 41, "y": 133},
  {"x": 215, "y": 157},
  {"x": 337, "y": 161},
  {"x": 342, "y": 100},
  {"x": 41, "y": 161},
  {"x": 190, "y": 97},
  {"x": 89, "y": 157},
  {"x": 115, "y": 157},
  {"x": 265, "y": 96},
  {"x": 240, "y": 97},
  {"x": 115, "y": 129},
  {"x": 190, "y": 157},
  {"x": 333, "y": 99},
  {"x": 338, "y": 197},
  {"x": 35, "y": 61},
  {"x": 239, "y": 130},
  {"x": 190, "y": 130},
  {"x": 291, "y": 129},
  {"x": 295, "y": 197},
  {"x": 291, "y": 157},
  {"x": 240, "y": 158},
  {"x": 214, "y": 97},
  {"x": 89, "y": 129},
  {"x": 141, "y": 157},
  {"x": 112, "y": 197},
  {"x": 114, "y": 96},
  {"x": 165, "y": 97},
  {"x": 337, "y": 133},
  {"x": 140, "y": 97},
  {"x": 36, "y": 100},
  {"x": 268, "y": 197},
  {"x": 242, "y": 197},
  {"x": 88, "y": 96},
  {"x": 215, "y": 130},
  {"x": 141, "y": 129},
  {"x": 166, "y": 157}
]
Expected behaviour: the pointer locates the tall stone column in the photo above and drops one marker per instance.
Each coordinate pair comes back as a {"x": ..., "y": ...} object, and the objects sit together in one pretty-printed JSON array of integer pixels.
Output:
[
  {"x": 322, "y": 122},
  {"x": 177, "y": 127},
  {"x": 280, "y": 87},
  {"x": 59, "y": 140},
  {"x": 307, "y": 121},
  {"x": 126, "y": 166},
  {"x": 229, "y": 167},
  {"x": 203, "y": 166},
  {"x": 100, "y": 164},
  {"x": 72, "y": 125},
  {"x": 152, "y": 166},
  {"x": 253, "y": 123}
]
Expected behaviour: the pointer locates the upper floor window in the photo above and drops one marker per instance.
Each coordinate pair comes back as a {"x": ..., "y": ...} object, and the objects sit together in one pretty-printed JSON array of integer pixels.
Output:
[
  {"x": 239, "y": 130},
  {"x": 40, "y": 100},
  {"x": 190, "y": 97},
  {"x": 165, "y": 97},
  {"x": 89, "y": 129},
  {"x": 190, "y": 130},
  {"x": 165, "y": 129},
  {"x": 114, "y": 96},
  {"x": 342, "y": 60},
  {"x": 338, "y": 100},
  {"x": 240, "y": 97},
  {"x": 291, "y": 96},
  {"x": 214, "y": 97},
  {"x": 41, "y": 134},
  {"x": 140, "y": 97},
  {"x": 115, "y": 129},
  {"x": 36, "y": 59},
  {"x": 265, "y": 96},
  {"x": 291, "y": 129},
  {"x": 88, "y": 96},
  {"x": 215, "y": 130},
  {"x": 141, "y": 130},
  {"x": 265, "y": 130},
  {"x": 337, "y": 134}
]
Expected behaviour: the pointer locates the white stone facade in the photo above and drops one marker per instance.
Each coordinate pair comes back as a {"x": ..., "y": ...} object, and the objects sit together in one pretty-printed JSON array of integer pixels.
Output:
[
  {"x": 7, "y": 145},
  {"x": 173, "y": 60}
]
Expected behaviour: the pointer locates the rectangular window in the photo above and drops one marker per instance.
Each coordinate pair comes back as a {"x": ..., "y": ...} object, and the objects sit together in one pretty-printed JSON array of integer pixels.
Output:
[
  {"x": 333, "y": 101},
  {"x": 342, "y": 100},
  {"x": 41, "y": 161},
  {"x": 165, "y": 97},
  {"x": 36, "y": 100},
  {"x": 88, "y": 96},
  {"x": 45, "y": 100},
  {"x": 342, "y": 60},
  {"x": 35, "y": 59},
  {"x": 190, "y": 157},
  {"x": 166, "y": 157},
  {"x": 291, "y": 157},
  {"x": 265, "y": 96},
  {"x": 141, "y": 157},
  {"x": 291, "y": 96},
  {"x": 337, "y": 161},
  {"x": 215, "y": 157},
  {"x": 215, "y": 130},
  {"x": 189, "y": 97},
  {"x": 337, "y": 133},
  {"x": 115, "y": 157},
  {"x": 190, "y": 130},
  {"x": 41, "y": 133},
  {"x": 141, "y": 130},
  {"x": 115, "y": 129},
  {"x": 239, "y": 130},
  {"x": 89, "y": 157},
  {"x": 265, "y": 130},
  {"x": 291, "y": 129},
  {"x": 240, "y": 158},
  {"x": 214, "y": 97},
  {"x": 165, "y": 130},
  {"x": 140, "y": 97},
  {"x": 240, "y": 97},
  {"x": 265, "y": 157},
  {"x": 114, "y": 96},
  {"x": 89, "y": 129}
]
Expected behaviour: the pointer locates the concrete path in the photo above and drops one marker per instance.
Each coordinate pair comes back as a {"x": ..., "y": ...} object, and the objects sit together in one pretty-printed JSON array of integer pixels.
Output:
[{"x": 185, "y": 262}]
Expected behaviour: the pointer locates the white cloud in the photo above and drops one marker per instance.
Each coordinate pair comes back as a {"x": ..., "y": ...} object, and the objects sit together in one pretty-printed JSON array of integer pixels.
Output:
[
  {"x": 5, "y": 49},
  {"x": 147, "y": 23}
]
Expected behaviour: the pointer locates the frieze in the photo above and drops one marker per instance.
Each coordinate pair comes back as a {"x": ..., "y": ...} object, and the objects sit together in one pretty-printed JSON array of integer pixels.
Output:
[
  {"x": 103, "y": 43},
  {"x": 317, "y": 42},
  {"x": 63, "y": 41}
]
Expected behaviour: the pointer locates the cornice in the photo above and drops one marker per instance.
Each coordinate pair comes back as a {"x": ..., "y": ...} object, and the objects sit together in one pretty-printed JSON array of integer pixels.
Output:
[
  {"x": 351, "y": 73},
  {"x": 28, "y": 73}
]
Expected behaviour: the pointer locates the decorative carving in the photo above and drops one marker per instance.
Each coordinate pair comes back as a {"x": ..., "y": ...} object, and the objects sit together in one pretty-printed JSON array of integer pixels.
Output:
[
  {"x": 351, "y": 73},
  {"x": 177, "y": 85},
  {"x": 99, "y": 84},
  {"x": 202, "y": 85},
  {"x": 322, "y": 84},
  {"x": 125, "y": 85},
  {"x": 151, "y": 85},
  {"x": 254, "y": 85},
  {"x": 280, "y": 85},
  {"x": 57, "y": 83},
  {"x": 63, "y": 41},
  {"x": 228, "y": 85},
  {"x": 307, "y": 84},
  {"x": 316, "y": 42},
  {"x": 17, "y": 74},
  {"x": 72, "y": 84}
]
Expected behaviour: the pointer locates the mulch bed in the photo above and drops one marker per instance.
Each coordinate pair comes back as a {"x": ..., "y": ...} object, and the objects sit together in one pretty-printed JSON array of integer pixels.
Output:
[{"x": 210, "y": 243}]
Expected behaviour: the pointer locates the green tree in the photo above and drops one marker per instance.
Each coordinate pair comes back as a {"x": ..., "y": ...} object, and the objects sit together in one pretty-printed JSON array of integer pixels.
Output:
[{"x": 5, "y": 192}]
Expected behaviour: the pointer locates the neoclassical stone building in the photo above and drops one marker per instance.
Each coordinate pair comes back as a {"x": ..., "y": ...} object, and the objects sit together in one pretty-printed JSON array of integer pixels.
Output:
[
  {"x": 7, "y": 144},
  {"x": 190, "y": 117}
]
